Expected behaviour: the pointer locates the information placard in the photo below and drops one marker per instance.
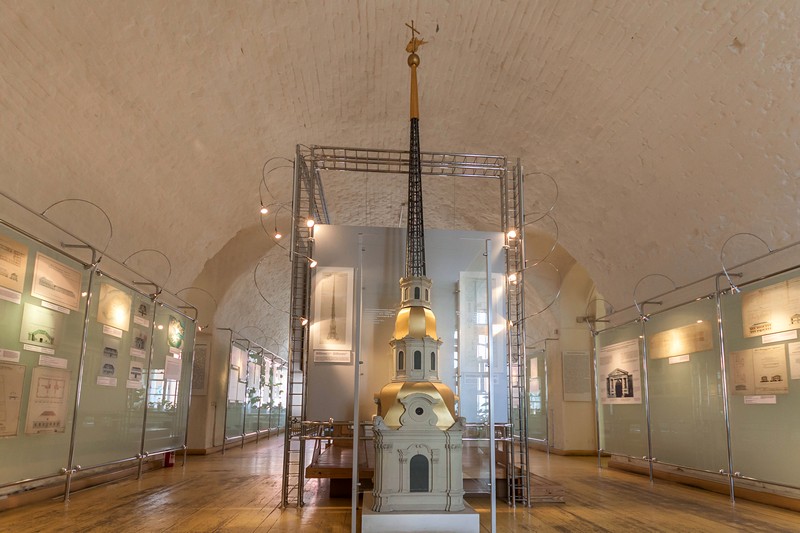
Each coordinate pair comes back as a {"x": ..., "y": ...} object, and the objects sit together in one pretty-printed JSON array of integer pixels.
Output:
[
  {"x": 56, "y": 282},
  {"x": 332, "y": 356},
  {"x": 771, "y": 309},
  {"x": 577, "y": 376},
  {"x": 618, "y": 368},
  {"x": 47, "y": 403}
]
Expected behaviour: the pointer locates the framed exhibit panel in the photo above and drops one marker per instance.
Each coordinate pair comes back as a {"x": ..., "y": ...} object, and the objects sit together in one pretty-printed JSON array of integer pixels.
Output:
[
  {"x": 271, "y": 396},
  {"x": 169, "y": 379},
  {"x": 55, "y": 282},
  {"x": 13, "y": 266},
  {"x": 537, "y": 395},
  {"x": 622, "y": 420},
  {"x": 764, "y": 378},
  {"x": 685, "y": 387},
  {"x": 279, "y": 383},
  {"x": 111, "y": 412},
  {"x": 576, "y": 376},
  {"x": 12, "y": 382},
  {"x": 331, "y": 326},
  {"x": 771, "y": 308},
  {"x": 252, "y": 404},
  {"x": 41, "y": 323},
  {"x": 237, "y": 391},
  {"x": 202, "y": 366}
]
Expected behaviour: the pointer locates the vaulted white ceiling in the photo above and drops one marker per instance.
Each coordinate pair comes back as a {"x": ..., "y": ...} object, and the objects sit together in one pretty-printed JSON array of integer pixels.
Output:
[{"x": 667, "y": 125}]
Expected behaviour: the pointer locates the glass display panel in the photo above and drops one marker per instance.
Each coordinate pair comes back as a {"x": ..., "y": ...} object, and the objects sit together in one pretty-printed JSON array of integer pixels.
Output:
[
  {"x": 169, "y": 380},
  {"x": 252, "y": 407},
  {"x": 40, "y": 347},
  {"x": 278, "y": 389},
  {"x": 237, "y": 392},
  {"x": 265, "y": 420},
  {"x": 623, "y": 424},
  {"x": 110, "y": 415},
  {"x": 476, "y": 329},
  {"x": 687, "y": 420},
  {"x": 763, "y": 374},
  {"x": 537, "y": 396}
]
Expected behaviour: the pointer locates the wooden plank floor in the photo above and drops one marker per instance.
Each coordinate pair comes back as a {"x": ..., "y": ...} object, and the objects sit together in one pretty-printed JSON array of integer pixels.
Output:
[{"x": 240, "y": 492}]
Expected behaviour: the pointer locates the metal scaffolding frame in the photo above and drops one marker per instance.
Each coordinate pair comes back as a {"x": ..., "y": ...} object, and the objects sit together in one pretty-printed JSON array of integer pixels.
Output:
[
  {"x": 513, "y": 210},
  {"x": 309, "y": 202}
]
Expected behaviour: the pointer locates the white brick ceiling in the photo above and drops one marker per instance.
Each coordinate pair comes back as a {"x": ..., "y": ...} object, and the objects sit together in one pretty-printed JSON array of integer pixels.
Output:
[{"x": 669, "y": 125}]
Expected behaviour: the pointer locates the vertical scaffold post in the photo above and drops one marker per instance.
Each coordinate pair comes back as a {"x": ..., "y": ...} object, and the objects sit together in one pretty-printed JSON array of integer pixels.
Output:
[
  {"x": 299, "y": 255},
  {"x": 513, "y": 213}
]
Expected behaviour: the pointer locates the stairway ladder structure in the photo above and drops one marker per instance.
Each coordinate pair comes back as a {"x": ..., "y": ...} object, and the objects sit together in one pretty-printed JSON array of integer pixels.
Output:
[
  {"x": 308, "y": 201},
  {"x": 513, "y": 218}
]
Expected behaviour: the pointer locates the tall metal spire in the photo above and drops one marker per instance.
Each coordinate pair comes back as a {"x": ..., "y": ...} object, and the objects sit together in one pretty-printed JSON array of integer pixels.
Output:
[{"x": 415, "y": 234}]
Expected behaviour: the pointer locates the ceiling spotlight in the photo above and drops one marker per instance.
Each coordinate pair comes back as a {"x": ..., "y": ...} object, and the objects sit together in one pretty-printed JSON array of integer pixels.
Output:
[
  {"x": 310, "y": 222},
  {"x": 278, "y": 234},
  {"x": 303, "y": 321},
  {"x": 161, "y": 326},
  {"x": 512, "y": 277},
  {"x": 512, "y": 234},
  {"x": 312, "y": 263},
  {"x": 264, "y": 209}
]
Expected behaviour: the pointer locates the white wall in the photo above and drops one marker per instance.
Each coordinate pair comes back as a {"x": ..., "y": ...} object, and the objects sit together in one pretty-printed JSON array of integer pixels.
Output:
[{"x": 571, "y": 423}]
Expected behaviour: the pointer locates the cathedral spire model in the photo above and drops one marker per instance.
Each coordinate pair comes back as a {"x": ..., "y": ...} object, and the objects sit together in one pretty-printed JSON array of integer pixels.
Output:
[{"x": 417, "y": 435}]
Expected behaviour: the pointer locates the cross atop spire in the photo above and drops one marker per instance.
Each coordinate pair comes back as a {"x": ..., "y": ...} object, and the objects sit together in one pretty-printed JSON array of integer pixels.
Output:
[{"x": 414, "y": 44}]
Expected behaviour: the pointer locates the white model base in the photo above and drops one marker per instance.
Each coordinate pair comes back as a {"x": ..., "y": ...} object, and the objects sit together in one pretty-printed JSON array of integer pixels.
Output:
[{"x": 466, "y": 521}]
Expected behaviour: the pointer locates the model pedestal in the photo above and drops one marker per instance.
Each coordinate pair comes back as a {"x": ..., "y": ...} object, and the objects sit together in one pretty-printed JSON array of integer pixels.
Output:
[{"x": 466, "y": 521}]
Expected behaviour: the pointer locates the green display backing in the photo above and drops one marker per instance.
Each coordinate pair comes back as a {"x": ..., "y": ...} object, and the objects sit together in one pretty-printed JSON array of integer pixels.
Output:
[
  {"x": 765, "y": 438},
  {"x": 38, "y": 455}
]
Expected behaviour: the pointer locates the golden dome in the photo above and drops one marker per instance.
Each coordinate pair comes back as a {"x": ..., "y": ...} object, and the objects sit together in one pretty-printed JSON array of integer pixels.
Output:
[
  {"x": 416, "y": 322},
  {"x": 392, "y": 409}
]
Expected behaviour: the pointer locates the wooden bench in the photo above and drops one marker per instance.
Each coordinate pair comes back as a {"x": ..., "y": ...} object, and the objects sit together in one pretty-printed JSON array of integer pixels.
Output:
[{"x": 333, "y": 458}]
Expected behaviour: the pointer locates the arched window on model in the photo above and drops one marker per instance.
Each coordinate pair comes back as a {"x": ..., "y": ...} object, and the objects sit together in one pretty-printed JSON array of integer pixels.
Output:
[
  {"x": 427, "y": 294},
  {"x": 416, "y": 293},
  {"x": 433, "y": 360},
  {"x": 417, "y": 360},
  {"x": 400, "y": 362},
  {"x": 418, "y": 474}
]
